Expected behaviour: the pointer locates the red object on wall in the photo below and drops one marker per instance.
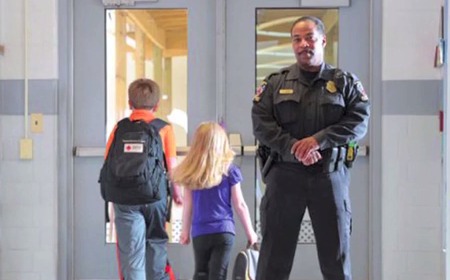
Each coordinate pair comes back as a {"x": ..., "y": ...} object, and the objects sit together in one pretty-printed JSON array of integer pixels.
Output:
[{"x": 441, "y": 121}]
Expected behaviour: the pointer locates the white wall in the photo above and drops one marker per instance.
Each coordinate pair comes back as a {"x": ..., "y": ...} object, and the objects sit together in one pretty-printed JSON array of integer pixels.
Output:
[
  {"x": 411, "y": 198},
  {"x": 28, "y": 203},
  {"x": 42, "y": 39},
  {"x": 412, "y": 148},
  {"x": 28, "y": 188},
  {"x": 410, "y": 34}
]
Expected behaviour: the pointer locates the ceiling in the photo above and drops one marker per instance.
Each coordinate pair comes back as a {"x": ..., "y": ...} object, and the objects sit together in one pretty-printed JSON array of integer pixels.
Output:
[{"x": 166, "y": 28}]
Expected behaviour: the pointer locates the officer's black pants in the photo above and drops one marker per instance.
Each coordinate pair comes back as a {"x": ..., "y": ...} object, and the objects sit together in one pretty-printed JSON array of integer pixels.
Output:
[{"x": 290, "y": 189}]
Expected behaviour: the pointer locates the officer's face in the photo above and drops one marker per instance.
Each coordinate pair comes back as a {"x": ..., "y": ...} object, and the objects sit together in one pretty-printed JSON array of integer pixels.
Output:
[{"x": 308, "y": 45}]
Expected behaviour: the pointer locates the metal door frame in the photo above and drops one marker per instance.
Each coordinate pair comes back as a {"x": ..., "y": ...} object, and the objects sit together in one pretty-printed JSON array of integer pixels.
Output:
[{"x": 66, "y": 137}]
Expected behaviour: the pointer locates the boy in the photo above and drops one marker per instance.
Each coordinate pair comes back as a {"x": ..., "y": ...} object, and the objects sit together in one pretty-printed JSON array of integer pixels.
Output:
[{"x": 141, "y": 235}]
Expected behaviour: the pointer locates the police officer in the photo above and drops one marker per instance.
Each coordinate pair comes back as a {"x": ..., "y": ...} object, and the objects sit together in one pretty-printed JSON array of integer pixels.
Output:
[{"x": 307, "y": 114}]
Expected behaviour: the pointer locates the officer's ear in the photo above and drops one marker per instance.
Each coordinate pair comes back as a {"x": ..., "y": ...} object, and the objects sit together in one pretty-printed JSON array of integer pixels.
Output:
[
  {"x": 130, "y": 105},
  {"x": 324, "y": 40}
]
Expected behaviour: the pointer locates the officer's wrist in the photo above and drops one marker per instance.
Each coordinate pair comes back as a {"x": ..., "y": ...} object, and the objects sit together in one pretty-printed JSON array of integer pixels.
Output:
[
  {"x": 321, "y": 140},
  {"x": 291, "y": 143}
]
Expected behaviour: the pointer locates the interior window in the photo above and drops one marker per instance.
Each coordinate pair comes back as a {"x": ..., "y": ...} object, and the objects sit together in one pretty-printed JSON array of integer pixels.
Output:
[{"x": 147, "y": 43}]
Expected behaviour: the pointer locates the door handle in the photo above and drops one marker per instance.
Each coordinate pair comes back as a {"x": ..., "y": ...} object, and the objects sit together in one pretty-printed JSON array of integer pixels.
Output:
[
  {"x": 100, "y": 151},
  {"x": 181, "y": 151}
]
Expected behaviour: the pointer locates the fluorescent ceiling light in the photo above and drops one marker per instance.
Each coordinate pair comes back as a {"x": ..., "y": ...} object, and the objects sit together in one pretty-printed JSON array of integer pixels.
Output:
[{"x": 273, "y": 34}]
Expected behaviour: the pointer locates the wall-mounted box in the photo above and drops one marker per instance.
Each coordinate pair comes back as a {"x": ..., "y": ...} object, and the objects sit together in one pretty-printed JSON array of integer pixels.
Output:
[
  {"x": 26, "y": 148},
  {"x": 37, "y": 123}
]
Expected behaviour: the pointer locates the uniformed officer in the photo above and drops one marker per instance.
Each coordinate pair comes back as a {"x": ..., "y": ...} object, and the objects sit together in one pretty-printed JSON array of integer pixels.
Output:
[{"x": 307, "y": 114}]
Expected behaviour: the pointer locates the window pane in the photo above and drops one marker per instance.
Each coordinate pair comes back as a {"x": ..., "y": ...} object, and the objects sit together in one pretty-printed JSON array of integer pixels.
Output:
[{"x": 147, "y": 43}]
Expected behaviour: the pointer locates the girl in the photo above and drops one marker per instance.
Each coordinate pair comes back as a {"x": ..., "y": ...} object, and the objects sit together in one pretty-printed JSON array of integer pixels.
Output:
[{"x": 212, "y": 185}]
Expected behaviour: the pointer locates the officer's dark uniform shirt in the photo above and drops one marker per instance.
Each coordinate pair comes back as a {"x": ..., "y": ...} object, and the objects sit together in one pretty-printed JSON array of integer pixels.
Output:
[{"x": 333, "y": 108}]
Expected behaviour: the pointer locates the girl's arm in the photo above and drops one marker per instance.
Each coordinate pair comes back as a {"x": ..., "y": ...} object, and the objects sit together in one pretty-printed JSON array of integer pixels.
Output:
[
  {"x": 187, "y": 217},
  {"x": 170, "y": 152},
  {"x": 177, "y": 197},
  {"x": 240, "y": 207}
]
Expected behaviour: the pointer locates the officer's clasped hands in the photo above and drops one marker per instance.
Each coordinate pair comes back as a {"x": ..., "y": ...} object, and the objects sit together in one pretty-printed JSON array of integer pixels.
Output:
[
  {"x": 313, "y": 157},
  {"x": 306, "y": 151}
]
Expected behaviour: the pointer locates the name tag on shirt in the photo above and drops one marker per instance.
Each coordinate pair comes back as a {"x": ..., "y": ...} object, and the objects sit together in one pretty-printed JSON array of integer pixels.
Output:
[{"x": 286, "y": 91}]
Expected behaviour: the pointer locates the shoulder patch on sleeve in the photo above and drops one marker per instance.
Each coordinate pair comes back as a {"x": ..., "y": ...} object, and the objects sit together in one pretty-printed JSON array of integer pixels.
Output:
[
  {"x": 362, "y": 93},
  {"x": 259, "y": 91},
  {"x": 271, "y": 79}
]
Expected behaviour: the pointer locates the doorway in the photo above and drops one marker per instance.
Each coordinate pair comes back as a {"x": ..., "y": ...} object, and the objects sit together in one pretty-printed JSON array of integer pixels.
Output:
[{"x": 218, "y": 89}]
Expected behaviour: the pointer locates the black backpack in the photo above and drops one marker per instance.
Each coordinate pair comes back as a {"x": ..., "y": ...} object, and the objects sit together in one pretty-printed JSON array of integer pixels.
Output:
[{"x": 134, "y": 171}]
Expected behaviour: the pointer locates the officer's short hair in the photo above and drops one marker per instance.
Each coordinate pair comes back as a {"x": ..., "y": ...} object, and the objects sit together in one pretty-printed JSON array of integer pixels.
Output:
[
  {"x": 143, "y": 94},
  {"x": 319, "y": 24}
]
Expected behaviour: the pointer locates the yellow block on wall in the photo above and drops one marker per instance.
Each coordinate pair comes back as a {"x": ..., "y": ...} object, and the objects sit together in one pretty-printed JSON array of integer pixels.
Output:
[
  {"x": 26, "y": 148},
  {"x": 37, "y": 123}
]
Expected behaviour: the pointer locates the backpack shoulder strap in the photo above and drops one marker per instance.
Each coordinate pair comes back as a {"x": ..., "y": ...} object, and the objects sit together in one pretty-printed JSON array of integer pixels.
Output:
[
  {"x": 123, "y": 121},
  {"x": 158, "y": 123},
  {"x": 120, "y": 124}
]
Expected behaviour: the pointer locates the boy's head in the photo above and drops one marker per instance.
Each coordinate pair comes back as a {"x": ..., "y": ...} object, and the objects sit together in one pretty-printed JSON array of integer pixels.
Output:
[{"x": 143, "y": 94}]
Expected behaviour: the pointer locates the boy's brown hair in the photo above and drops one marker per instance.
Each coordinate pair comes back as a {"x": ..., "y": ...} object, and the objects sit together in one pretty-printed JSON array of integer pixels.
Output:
[{"x": 143, "y": 94}]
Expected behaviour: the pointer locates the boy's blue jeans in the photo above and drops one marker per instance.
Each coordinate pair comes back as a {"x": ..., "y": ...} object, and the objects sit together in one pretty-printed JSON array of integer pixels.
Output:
[{"x": 142, "y": 240}]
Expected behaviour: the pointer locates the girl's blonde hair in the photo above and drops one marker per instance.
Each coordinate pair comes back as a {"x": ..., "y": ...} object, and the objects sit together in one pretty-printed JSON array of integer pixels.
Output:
[{"x": 208, "y": 159}]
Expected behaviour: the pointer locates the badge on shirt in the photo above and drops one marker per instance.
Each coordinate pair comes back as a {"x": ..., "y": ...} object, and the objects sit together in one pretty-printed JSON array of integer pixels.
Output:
[
  {"x": 259, "y": 91},
  {"x": 362, "y": 93},
  {"x": 286, "y": 91},
  {"x": 331, "y": 87}
]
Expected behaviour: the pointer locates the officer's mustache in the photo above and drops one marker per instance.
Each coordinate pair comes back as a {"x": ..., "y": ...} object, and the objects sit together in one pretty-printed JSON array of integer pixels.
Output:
[{"x": 310, "y": 52}]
